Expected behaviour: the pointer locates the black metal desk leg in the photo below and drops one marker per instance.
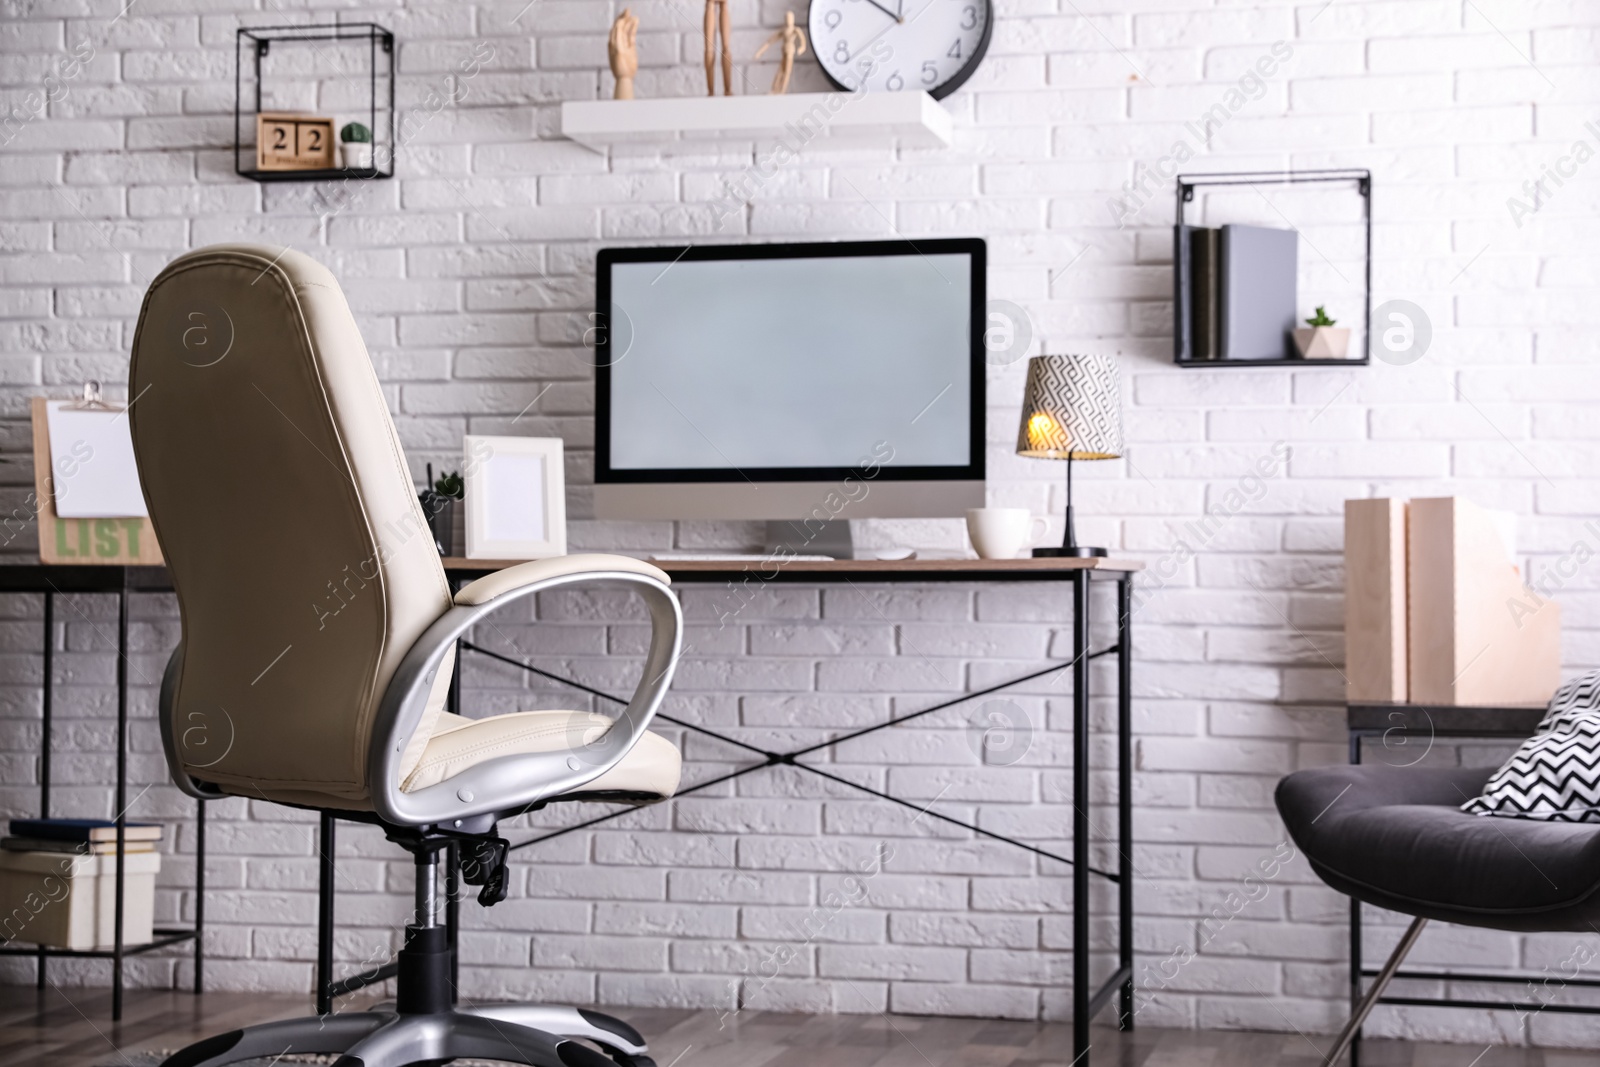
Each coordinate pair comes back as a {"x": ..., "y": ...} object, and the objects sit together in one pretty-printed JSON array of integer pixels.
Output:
[
  {"x": 121, "y": 800},
  {"x": 45, "y": 716},
  {"x": 1082, "y": 992},
  {"x": 199, "y": 896},
  {"x": 1355, "y": 935},
  {"x": 1125, "y": 793},
  {"x": 325, "y": 843},
  {"x": 452, "y": 858}
]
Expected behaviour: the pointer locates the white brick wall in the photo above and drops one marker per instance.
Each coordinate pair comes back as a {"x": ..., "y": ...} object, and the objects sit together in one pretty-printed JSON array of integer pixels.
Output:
[{"x": 470, "y": 275}]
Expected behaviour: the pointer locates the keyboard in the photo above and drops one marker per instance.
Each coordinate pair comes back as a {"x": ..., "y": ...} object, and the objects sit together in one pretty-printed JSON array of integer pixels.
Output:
[{"x": 734, "y": 557}]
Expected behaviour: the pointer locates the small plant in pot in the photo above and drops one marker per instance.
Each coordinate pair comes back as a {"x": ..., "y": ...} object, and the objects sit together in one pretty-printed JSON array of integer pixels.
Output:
[
  {"x": 355, "y": 146},
  {"x": 439, "y": 505},
  {"x": 1322, "y": 339}
]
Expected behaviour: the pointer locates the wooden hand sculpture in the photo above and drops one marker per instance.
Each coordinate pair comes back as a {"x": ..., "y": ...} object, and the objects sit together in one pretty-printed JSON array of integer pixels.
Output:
[
  {"x": 794, "y": 44},
  {"x": 624, "y": 54}
]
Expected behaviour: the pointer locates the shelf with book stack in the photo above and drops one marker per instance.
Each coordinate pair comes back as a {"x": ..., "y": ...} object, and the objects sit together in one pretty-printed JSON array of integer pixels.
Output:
[
  {"x": 1193, "y": 296},
  {"x": 59, "y": 886},
  {"x": 122, "y": 581}
]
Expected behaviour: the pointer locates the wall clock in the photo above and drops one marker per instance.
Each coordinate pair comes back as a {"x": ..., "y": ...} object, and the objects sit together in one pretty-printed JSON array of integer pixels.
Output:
[{"x": 900, "y": 45}]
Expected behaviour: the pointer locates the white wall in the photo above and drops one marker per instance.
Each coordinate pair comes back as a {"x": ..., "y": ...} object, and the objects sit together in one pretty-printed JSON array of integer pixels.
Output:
[{"x": 471, "y": 275}]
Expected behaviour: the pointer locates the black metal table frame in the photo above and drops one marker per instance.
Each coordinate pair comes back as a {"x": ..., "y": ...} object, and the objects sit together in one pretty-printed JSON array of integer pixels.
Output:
[
  {"x": 49, "y": 581},
  {"x": 1087, "y": 999},
  {"x": 1374, "y": 720}
]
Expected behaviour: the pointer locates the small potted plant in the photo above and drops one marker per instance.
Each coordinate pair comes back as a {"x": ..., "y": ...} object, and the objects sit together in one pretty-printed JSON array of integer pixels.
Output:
[
  {"x": 355, "y": 148},
  {"x": 439, "y": 505},
  {"x": 1321, "y": 340}
]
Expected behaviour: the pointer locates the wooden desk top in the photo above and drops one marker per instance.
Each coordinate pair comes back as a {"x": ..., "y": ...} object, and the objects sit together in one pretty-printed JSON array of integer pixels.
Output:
[
  {"x": 28, "y": 577},
  {"x": 902, "y": 570}
]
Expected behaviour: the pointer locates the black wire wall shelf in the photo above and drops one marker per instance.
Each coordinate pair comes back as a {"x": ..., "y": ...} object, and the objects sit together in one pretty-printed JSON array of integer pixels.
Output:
[
  {"x": 1182, "y": 281},
  {"x": 260, "y": 41}
]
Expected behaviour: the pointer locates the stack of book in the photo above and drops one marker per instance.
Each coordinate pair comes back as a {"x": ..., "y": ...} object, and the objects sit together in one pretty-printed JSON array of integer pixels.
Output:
[
  {"x": 58, "y": 883},
  {"x": 82, "y": 836},
  {"x": 1237, "y": 292}
]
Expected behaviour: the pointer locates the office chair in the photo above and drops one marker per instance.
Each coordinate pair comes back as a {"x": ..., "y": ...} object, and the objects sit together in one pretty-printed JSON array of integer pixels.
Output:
[
  {"x": 318, "y": 641},
  {"x": 1396, "y": 838}
]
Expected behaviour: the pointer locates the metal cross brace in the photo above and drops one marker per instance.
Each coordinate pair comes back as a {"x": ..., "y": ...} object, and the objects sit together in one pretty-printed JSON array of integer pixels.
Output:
[{"x": 791, "y": 759}]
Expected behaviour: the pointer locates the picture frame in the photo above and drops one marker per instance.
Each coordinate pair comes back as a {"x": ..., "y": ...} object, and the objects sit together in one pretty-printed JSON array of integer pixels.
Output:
[{"x": 516, "y": 497}]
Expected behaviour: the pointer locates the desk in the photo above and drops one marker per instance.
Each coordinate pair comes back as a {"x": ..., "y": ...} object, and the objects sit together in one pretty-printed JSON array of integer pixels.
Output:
[
  {"x": 121, "y": 581},
  {"x": 1076, "y": 573},
  {"x": 1088, "y": 1000},
  {"x": 1416, "y": 726}
]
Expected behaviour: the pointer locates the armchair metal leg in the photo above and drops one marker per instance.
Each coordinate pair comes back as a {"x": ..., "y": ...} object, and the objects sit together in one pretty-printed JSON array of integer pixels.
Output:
[{"x": 1379, "y": 984}]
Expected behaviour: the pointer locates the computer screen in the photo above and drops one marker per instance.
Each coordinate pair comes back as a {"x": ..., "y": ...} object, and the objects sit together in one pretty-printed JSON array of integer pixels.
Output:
[{"x": 788, "y": 363}]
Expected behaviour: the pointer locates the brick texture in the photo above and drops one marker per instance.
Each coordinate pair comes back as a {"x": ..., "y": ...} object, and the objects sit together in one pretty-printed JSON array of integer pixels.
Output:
[{"x": 471, "y": 276}]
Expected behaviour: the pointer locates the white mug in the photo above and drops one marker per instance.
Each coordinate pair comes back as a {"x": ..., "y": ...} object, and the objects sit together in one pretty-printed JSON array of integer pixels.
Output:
[{"x": 1002, "y": 533}]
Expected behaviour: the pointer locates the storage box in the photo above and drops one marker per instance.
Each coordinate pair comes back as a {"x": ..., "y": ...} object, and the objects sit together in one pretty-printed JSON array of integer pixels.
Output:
[{"x": 69, "y": 901}]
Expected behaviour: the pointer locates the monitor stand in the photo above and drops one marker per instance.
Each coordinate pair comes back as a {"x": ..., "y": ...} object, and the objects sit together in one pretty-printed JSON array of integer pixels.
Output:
[{"x": 811, "y": 537}]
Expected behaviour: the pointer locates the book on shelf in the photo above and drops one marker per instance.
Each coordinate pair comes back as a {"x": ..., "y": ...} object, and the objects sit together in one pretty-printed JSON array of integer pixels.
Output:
[
  {"x": 1198, "y": 285},
  {"x": 80, "y": 848},
  {"x": 1257, "y": 294},
  {"x": 1203, "y": 272},
  {"x": 84, "y": 830}
]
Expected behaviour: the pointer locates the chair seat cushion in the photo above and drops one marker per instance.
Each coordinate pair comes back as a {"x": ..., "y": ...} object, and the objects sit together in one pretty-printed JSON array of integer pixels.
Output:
[
  {"x": 1396, "y": 837},
  {"x": 649, "y": 770}
]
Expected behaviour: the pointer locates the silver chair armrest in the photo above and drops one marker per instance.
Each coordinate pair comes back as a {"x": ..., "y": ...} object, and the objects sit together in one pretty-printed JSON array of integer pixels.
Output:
[{"x": 519, "y": 780}]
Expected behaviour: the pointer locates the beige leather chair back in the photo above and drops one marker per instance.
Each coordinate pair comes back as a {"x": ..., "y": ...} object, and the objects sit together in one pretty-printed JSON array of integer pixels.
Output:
[{"x": 301, "y": 558}]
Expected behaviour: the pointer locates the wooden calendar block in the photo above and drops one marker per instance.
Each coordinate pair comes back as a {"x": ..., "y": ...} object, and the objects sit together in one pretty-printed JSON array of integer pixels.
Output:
[{"x": 293, "y": 142}]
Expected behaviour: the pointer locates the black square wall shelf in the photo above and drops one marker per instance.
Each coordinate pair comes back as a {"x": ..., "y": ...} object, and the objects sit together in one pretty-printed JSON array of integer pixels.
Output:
[
  {"x": 321, "y": 70},
  {"x": 1358, "y": 180}
]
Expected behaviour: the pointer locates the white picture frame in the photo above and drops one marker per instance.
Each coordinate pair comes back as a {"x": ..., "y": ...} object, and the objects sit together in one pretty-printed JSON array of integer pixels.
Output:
[{"x": 516, "y": 497}]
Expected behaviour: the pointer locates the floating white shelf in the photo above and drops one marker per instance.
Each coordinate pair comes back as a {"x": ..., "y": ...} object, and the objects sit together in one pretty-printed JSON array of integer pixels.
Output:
[{"x": 804, "y": 120}]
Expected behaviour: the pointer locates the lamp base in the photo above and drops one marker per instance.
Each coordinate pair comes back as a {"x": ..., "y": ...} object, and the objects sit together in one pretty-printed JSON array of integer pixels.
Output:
[{"x": 1076, "y": 551}]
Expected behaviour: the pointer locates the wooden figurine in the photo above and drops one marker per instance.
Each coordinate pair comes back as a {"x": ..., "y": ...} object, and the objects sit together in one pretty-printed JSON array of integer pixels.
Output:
[
  {"x": 793, "y": 40},
  {"x": 717, "y": 20},
  {"x": 624, "y": 53}
]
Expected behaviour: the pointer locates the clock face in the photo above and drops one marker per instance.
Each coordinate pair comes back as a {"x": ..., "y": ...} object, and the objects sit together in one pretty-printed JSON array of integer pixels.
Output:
[{"x": 900, "y": 45}]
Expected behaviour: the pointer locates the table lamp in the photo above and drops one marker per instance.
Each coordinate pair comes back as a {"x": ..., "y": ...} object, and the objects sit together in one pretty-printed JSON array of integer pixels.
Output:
[{"x": 1071, "y": 409}]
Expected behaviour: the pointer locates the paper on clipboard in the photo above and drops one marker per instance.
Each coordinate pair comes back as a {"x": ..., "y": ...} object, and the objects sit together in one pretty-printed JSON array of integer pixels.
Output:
[{"x": 91, "y": 463}]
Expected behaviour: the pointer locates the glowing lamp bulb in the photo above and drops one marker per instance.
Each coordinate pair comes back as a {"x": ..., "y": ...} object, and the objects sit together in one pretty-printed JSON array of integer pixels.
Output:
[{"x": 1041, "y": 428}]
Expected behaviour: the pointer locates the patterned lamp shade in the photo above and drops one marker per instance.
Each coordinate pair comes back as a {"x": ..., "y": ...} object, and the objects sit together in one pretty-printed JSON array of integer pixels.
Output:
[{"x": 1072, "y": 408}]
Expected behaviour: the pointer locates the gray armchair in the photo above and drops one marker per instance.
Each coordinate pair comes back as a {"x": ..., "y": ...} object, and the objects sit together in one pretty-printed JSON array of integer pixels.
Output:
[{"x": 1396, "y": 837}]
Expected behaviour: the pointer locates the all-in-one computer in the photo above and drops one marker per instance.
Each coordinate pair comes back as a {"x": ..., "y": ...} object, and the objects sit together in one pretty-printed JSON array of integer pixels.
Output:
[{"x": 807, "y": 383}]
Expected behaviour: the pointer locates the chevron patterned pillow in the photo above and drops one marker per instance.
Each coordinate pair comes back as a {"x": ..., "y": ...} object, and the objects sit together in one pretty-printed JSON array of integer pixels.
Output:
[{"x": 1555, "y": 775}]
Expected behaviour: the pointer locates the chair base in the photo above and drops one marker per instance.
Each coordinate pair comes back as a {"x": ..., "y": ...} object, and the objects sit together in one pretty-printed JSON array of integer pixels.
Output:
[{"x": 532, "y": 1034}]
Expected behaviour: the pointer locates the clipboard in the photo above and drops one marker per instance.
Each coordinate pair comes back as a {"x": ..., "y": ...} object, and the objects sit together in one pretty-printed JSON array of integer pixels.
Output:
[{"x": 120, "y": 541}]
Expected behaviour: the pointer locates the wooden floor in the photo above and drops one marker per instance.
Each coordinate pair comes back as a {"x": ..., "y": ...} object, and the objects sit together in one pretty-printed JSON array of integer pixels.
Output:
[{"x": 72, "y": 1029}]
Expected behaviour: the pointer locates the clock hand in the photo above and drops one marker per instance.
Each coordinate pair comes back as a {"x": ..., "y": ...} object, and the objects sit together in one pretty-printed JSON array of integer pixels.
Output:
[{"x": 892, "y": 14}]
